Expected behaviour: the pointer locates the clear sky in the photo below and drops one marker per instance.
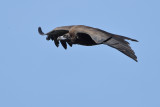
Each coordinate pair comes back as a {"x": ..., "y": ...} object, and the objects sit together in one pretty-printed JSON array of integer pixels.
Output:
[{"x": 35, "y": 73}]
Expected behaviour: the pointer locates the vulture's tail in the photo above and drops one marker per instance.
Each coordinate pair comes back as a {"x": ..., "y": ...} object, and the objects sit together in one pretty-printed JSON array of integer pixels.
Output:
[{"x": 128, "y": 38}]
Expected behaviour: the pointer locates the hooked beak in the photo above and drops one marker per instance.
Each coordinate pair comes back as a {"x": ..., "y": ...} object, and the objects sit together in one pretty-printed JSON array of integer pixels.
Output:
[{"x": 61, "y": 38}]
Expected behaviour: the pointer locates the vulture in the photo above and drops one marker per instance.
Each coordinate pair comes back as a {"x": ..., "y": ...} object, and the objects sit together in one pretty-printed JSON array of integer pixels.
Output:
[{"x": 89, "y": 36}]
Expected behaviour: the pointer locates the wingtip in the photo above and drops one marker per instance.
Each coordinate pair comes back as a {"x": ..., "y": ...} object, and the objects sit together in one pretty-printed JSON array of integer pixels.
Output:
[
  {"x": 40, "y": 31},
  {"x": 136, "y": 60}
]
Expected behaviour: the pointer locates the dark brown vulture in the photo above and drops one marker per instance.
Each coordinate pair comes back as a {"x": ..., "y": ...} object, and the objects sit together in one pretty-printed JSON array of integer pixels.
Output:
[{"x": 88, "y": 36}]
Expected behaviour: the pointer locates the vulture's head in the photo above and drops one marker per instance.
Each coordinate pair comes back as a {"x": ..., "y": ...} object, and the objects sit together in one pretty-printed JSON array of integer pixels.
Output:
[{"x": 65, "y": 37}]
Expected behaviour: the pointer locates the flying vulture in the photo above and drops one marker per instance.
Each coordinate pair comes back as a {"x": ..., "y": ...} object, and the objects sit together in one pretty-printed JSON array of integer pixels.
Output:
[{"x": 89, "y": 36}]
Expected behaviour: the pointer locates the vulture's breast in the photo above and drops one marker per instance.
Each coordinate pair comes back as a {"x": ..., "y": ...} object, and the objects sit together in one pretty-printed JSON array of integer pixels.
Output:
[{"x": 84, "y": 39}]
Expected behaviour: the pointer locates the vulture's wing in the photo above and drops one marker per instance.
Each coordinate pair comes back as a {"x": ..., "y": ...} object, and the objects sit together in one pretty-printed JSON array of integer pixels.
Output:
[
  {"x": 54, "y": 34},
  {"x": 122, "y": 46},
  {"x": 64, "y": 44},
  {"x": 103, "y": 37}
]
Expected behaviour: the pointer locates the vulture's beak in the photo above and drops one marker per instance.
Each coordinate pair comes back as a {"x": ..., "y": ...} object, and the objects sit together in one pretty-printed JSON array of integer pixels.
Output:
[{"x": 61, "y": 38}]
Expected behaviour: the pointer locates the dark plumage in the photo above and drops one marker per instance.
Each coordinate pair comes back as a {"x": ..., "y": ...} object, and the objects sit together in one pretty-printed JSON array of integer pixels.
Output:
[{"x": 88, "y": 36}]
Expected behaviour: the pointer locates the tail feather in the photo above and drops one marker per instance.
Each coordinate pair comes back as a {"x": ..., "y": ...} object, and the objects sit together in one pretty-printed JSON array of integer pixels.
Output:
[{"x": 128, "y": 38}]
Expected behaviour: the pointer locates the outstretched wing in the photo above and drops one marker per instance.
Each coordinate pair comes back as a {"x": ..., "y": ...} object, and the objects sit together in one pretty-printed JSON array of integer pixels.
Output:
[
  {"x": 123, "y": 46},
  {"x": 102, "y": 37},
  {"x": 119, "y": 42},
  {"x": 54, "y": 34}
]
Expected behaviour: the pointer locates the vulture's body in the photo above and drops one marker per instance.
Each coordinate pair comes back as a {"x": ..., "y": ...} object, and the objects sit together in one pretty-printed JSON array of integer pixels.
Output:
[{"x": 88, "y": 36}]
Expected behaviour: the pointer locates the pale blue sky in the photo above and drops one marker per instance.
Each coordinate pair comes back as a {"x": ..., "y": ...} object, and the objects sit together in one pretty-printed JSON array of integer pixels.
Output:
[{"x": 35, "y": 73}]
